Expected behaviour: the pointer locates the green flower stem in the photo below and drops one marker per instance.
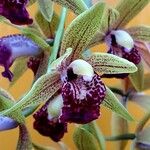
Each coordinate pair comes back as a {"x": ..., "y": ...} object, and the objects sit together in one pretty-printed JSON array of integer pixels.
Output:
[
  {"x": 142, "y": 123},
  {"x": 129, "y": 136},
  {"x": 58, "y": 37}
]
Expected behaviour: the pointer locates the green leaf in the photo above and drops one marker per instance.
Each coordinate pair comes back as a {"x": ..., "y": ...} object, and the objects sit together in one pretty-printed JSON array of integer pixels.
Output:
[
  {"x": 109, "y": 63},
  {"x": 140, "y": 33},
  {"x": 113, "y": 103},
  {"x": 24, "y": 141},
  {"x": 80, "y": 32},
  {"x": 96, "y": 132},
  {"x": 137, "y": 78},
  {"x": 46, "y": 8},
  {"x": 128, "y": 9},
  {"x": 40, "y": 92},
  {"x": 77, "y": 6},
  {"x": 84, "y": 140},
  {"x": 141, "y": 99},
  {"x": 48, "y": 28},
  {"x": 30, "y": 33},
  {"x": 20, "y": 67}
]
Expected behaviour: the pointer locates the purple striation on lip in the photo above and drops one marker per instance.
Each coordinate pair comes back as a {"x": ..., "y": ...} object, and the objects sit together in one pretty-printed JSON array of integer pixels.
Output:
[
  {"x": 52, "y": 128},
  {"x": 82, "y": 99}
]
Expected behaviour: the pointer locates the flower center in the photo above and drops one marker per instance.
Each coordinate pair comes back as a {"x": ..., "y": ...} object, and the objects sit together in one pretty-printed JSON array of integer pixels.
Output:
[{"x": 70, "y": 75}]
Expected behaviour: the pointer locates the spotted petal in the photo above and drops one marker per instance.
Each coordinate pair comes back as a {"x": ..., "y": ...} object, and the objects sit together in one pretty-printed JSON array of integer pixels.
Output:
[
  {"x": 80, "y": 32},
  {"x": 128, "y": 9},
  {"x": 77, "y": 6},
  {"x": 41, "y": 91},
  {"x": 110, "y": 17},
  {"x": 109, "y": 64},
  {"x": 140, "y": 33},
  {"x": 113, "y": 103}
]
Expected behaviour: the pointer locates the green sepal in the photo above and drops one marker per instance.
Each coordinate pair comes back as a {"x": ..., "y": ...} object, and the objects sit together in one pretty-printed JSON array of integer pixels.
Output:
[
  {"x": 113, "y": 103},
  {"x": 110, "y": 17},
  {"x": 6, "y": 100},
  {"x": 48, "y": 28},
  {"x": 128, "y": 9},
  {"x": 141, "y": 33},
  {"x": 137, "y": 78},
  {"x": 36, "y": 37},
  {"x": 46, "y": 8},
  {"x": 77, "y": 6},
  {"x": 104, "y": 63},
  {"x": 84, "y": 140},
  {"x": 40, "y": 92},
  {"x": 96, "y": 132},
  {"x": 81, "y": 31},
  {"x": 19, "y": 68}
]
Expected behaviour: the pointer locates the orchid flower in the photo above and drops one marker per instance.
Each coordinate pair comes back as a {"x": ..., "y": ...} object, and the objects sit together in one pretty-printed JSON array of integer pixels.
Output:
[
  {"x": 77, "y": 75},
  {"x": 12, "y": 47},
  {"x": 15, "y": 11}
]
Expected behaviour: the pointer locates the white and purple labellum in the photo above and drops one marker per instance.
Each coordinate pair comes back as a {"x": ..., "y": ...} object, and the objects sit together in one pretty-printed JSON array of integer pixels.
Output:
[
  {"x": 7, "y": 123},
  {"x": 121, "y": 44},
  {"x": 15, "y": 11},
  {"x": 81, "y": 96},
  {"x": 54, "y": 107},
  {"x": 82, "y": 68},
  {"x": 123, "y": 39},
  {"x": 14, "y": 46},
  {"x": 52, "y": 128}
]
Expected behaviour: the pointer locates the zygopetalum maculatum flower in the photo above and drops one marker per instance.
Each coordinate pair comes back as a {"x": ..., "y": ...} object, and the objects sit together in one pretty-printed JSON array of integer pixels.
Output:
[
  {"x": 15, "y": 11},
  {"x": 129, "y": 43},
  {"x": 72, "y": 87}
]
